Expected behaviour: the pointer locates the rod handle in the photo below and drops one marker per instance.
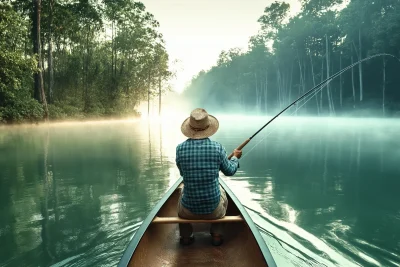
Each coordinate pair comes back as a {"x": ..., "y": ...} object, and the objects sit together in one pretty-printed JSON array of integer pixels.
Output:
[{"x": 240, "y": 147}]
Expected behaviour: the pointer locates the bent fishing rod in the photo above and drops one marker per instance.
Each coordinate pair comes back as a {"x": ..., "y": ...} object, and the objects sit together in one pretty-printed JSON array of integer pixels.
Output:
[{"x": 315, "y": 88}]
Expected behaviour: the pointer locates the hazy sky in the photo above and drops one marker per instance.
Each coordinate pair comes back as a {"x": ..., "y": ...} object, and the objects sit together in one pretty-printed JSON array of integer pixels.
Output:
[{"x": 196, "y": 31}]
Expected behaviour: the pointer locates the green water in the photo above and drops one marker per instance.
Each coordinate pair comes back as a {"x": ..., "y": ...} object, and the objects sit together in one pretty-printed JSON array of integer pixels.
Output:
[{"x": 322, "y": 192}]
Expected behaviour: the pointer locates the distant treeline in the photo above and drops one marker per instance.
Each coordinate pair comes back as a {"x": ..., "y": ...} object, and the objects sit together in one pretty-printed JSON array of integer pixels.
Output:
[
  {"x": 290, "y": 55},
  {"x": 77, "y": 59}
]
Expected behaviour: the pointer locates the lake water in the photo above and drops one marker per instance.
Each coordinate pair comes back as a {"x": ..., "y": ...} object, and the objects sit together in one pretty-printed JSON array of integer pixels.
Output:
[{"x": 323, "y": 192}]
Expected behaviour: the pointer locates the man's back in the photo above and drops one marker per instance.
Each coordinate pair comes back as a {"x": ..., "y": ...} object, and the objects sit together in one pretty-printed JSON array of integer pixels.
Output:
[{"x": 199, "y": 162}]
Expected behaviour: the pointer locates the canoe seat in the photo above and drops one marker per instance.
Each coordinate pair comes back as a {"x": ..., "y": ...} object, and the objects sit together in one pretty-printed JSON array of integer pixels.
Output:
[{"x": 226, "y": 219}]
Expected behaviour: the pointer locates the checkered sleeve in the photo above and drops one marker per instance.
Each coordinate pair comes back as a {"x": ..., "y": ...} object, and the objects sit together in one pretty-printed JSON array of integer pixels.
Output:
[
  {"x": 228, "y": 167},
  {"x": 177, "y": 161}
]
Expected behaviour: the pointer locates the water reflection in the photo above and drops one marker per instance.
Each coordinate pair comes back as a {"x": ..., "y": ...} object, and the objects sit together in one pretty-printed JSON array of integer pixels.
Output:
[
  {"x": 327, "y": 186},
  {"x": 76, "y": 190},
  {"x": 73, "y": 194}
]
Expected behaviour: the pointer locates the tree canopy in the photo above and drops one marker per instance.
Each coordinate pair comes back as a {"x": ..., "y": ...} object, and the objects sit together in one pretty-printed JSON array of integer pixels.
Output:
[
  {"x": 79, "y": 59},
  {"x": 290, "y": 55}
]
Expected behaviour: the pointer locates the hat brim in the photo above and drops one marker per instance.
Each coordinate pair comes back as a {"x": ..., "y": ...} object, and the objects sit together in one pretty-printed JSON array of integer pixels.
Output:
[{"x": 189, "y": 132}]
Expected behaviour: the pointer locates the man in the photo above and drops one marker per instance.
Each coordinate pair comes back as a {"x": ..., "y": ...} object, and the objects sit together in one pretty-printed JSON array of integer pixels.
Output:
[{"x": 199, "y": 161}]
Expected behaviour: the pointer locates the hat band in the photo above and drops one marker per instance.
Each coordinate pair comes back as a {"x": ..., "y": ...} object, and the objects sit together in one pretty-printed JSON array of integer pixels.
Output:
[{"x": 199, "y": 129}]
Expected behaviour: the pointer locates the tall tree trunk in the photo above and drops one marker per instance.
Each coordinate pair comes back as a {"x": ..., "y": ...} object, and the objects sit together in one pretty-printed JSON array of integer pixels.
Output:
[
  {"x": 278, "y": 73},
  {"x": 255, "y": 76},
  {"x": 334, "y": 90},
  {"x": 301, "y": 73},
  {"x": 384, "y": 86},
  {"x": 148, "y": 96},
  {"x": 86, "y": 70},
  {"x": 159, "y": 95},
  {"x": 360, "y": 65},
  {"x": 266, "y": 92},
  {"x": 328, "y": 92},
  {"x": 313, "y": 78},
  {"x": 38, "y": 77},
  {"x": 237, "y": 87},
  {"x": 352, "y": 80},
  {"x": 50, "y": 56},
  {"x": 322, "y": 79},
  {"x": 115, "y": 53},
  {"x": 304, "y": 76},
  {"x": 341, "y": 85},
  {"x": 290, "y": 83},
  {"x": 304, "y": 81},
  {"x": 36, "y": 46},
  {"x": 112, "y": 53},
  {"x": 301, "y": 81}
]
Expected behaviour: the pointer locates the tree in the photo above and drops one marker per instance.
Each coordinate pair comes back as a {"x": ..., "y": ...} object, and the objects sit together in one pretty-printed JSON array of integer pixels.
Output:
[
  {"x": 38, "y": 77},
  {"x": 292, "y": 54},
  {"x": 272, "y": 19},
  {"x": 86, "y": 71},
  {"x": 162, "y": 71},
  {"x": 16, "y": 71}
]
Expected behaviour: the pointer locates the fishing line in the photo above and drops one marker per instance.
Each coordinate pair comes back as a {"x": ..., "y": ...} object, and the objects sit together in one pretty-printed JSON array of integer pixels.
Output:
[
  {"x": 317, "y": 87},
  {"x": 308, "y": 98},
  {"x": 262, "y": 139}
]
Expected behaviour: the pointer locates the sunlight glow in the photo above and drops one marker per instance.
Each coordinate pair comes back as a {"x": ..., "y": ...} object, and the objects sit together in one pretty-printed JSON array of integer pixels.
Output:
[
  {"x": 197, "y": 31},
  {"x": 283, "y": 230},
  {"x": 292, "y": 214},
  {"x": 173, "y": 109}
]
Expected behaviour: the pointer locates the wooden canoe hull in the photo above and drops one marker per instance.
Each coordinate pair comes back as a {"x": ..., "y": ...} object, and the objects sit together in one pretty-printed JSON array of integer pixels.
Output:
[{"x": 157, "y": 243}]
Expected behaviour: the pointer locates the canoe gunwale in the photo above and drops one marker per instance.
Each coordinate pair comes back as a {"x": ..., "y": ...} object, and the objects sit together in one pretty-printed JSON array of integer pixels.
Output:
[
  {"x": 174, "y": 220},
  {"x": 253, "y": 228},
  {"x": 126, "y": 257},
  {"x": 130, "y": 249}
]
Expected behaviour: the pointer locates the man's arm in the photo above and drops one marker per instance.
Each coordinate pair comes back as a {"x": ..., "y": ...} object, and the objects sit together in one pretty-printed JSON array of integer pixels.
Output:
[
  {"x": 229, "y": 167},
  {"x": 177, "y": 162},
  {"x": 179, "y": 167}
]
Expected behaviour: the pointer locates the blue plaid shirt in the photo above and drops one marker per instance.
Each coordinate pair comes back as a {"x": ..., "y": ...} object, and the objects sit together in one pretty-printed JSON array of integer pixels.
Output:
[{"x": 199, "y": 162}]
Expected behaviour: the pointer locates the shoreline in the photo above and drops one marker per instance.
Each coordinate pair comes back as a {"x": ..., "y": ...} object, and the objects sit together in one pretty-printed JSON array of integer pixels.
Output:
[
  {"x": 102, "y": 120},
  {"x": 71, "y": 121}
]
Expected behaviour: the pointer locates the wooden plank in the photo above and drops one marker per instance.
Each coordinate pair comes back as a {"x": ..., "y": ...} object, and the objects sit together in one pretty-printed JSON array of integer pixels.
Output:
[{"x": 226, "y": 219}]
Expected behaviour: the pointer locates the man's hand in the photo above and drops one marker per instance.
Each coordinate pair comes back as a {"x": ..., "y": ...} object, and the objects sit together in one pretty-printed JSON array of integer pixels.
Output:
[{"x": 237, "y": 153}]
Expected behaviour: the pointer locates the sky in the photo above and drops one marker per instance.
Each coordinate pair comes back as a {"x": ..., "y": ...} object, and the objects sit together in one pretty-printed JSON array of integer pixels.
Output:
[{"x": 196, "y": 31}]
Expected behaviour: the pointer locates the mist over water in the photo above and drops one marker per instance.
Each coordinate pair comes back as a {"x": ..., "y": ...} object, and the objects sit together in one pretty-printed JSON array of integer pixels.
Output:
[
  {"x": 327, "y": 188},
  {"x": 323, "y": 191}
]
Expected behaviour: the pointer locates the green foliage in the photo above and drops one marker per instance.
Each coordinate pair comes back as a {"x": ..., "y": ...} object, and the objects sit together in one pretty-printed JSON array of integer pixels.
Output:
[
  {"x": 16, "y": 70},
  {"x": 18, "y": 107},
  {"x": 292, "y": 54},
  {"x": 318, "y": 7},
  {"x": 14, "y": 66},
  {"x": 273, "y": 17},
  {"x": 106, "y": 56},
  {"x": 69, "y": 108}
]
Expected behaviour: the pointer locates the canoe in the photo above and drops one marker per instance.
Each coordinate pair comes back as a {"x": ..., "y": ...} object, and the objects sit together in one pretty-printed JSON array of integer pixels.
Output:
[{"x": 156, "y": 242}]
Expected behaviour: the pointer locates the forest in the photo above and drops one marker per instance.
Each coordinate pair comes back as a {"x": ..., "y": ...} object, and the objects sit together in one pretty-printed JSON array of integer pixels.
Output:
[
  {"x": 78, "y": 59},
  {"x": 291, "y": 54}
]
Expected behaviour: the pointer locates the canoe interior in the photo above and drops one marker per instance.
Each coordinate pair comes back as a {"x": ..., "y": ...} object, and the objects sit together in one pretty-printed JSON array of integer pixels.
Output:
[{"x": 160, "y": 246}]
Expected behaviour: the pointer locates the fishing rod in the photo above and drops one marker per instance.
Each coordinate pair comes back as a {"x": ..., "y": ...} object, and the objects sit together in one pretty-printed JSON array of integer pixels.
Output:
[
  {"x": 318, "y": 86},
  {"x": 305, "y": 101}
]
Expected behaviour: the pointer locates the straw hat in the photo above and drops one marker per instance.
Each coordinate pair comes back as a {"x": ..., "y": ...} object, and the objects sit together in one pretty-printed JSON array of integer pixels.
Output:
[{"x": 200, "y": 124}]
